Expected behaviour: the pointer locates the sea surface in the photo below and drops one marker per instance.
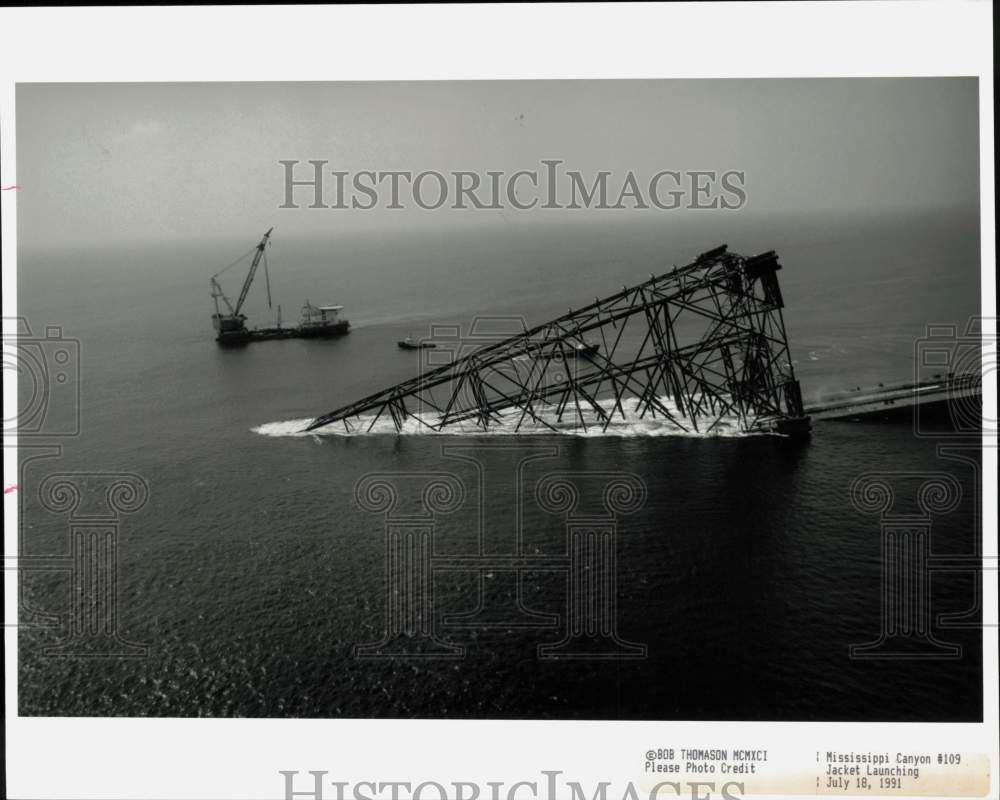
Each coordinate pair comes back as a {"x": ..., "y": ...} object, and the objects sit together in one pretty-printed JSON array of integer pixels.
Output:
[{"x": 253, "y": 573}]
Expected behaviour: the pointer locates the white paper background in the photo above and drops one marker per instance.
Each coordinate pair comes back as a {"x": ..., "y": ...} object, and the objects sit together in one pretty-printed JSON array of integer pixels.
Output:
[{"x": 162, "y": 758}]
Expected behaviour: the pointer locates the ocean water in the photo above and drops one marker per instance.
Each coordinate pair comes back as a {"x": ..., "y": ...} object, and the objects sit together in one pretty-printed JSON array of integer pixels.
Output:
[{"x": 252, "y": 573}]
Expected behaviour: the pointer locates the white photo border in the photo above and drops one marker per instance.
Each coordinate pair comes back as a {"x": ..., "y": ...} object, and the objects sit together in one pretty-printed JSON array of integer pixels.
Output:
[{"x": 228, "y": 759}]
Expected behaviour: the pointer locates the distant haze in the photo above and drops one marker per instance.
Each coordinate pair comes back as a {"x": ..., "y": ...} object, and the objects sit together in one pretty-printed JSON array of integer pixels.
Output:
[{"x": 106, "y": 163}]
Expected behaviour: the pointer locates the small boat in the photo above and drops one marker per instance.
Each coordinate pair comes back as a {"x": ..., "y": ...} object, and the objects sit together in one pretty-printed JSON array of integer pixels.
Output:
[
  {"x": 585, "y": 349},
  {"x": 322, "y": 322},
  {"x": 410, "y": 344},
  {"x": 575, "y": 350}
]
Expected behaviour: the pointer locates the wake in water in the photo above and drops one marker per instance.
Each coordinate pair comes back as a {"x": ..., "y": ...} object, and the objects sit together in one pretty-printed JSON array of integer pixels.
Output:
[{"x": 632, "y": 424}]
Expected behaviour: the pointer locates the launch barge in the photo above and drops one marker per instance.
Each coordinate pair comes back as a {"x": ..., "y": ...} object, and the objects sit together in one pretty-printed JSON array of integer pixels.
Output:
[{"x": 231, "y": 330}]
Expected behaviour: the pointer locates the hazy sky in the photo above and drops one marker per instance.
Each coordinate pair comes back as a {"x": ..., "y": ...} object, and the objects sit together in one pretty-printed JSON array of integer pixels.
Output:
[{"x": 131, "y": 162}]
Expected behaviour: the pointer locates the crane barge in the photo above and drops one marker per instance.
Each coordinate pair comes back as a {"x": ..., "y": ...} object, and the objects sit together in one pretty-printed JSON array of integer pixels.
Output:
[{"x": 229, "y": 320}]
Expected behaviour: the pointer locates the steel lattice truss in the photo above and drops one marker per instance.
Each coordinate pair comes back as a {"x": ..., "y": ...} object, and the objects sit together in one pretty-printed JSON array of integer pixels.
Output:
[{"x": 701, "y": 344}]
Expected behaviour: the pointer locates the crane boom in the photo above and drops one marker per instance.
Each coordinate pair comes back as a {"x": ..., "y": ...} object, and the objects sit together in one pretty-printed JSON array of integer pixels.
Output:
[{"x": 253, "y": 268}]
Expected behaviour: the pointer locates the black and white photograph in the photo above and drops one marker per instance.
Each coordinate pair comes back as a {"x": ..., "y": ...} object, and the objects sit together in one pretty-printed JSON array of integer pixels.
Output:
[{"x": 666, "y": 404}]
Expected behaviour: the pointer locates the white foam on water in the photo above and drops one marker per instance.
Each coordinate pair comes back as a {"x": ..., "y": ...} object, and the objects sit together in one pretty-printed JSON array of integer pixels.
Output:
[
  {"x": 632, "y": 425},
  {"x": 292, "y": 427}
]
